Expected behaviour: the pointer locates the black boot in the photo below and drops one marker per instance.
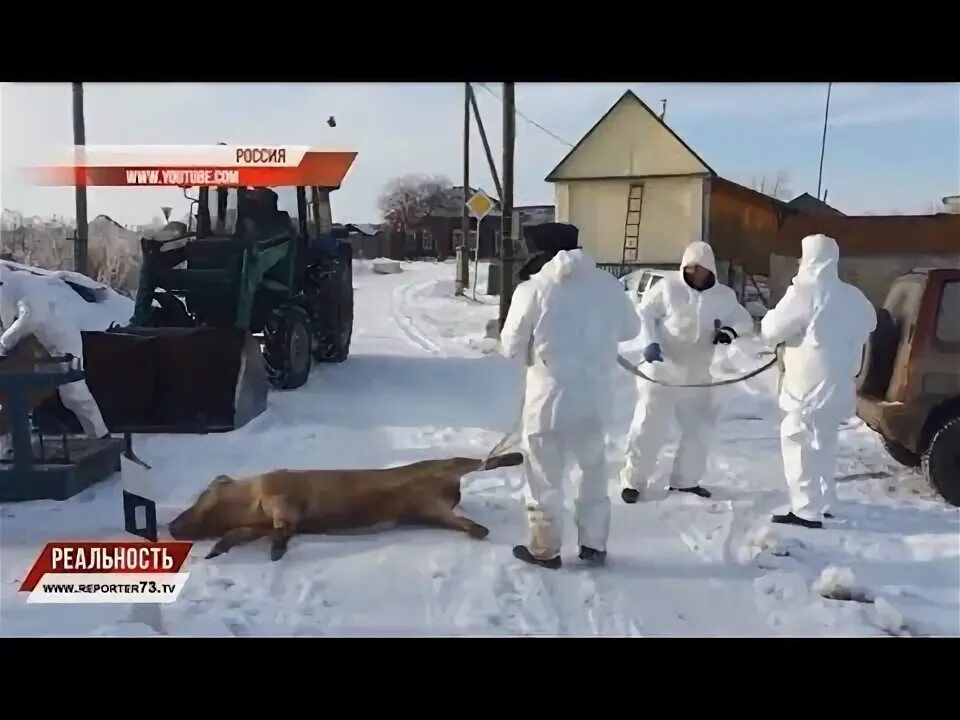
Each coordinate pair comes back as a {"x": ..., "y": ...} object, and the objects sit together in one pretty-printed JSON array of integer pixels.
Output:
[
  {"x": 591, "y": 556},
  {"x": 520, "y": 552},
  {"x": 695, "y": 490},
  {"x": 630, "y": 496},
  {"x": 791, "y": 519}
]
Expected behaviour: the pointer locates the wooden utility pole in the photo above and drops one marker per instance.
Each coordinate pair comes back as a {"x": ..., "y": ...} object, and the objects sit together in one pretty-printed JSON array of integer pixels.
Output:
[
  {"x": 79, "y": 140},
  {"x": 506, "y": 202},
  {"x": 463, "y": 252}
]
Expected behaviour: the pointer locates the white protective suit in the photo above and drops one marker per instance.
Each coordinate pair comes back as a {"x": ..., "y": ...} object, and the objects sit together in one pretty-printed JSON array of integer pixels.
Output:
[
  {"x": 567, "y": 321},
  {"x": 26, "y": 309},
  {"x": 684, "y": 322},
  {"x": 823, "y": 323}
]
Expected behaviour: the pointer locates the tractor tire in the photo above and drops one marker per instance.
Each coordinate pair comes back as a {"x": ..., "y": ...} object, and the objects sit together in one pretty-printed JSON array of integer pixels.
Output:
[
  {"x": 287, "y": 347},
  {"x": 336, "y": 349},
  {"x": 879, "y": 357},
  {"x": 941, "y": 461},
  {"x": 902, "y": 455}
]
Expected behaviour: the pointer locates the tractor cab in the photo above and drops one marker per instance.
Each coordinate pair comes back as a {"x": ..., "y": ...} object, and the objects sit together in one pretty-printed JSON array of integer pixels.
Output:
[{"x": 251, "y": 291}]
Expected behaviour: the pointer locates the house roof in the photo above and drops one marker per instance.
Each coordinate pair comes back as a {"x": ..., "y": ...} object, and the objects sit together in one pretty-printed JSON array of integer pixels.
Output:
[
  {"x": 750, "y": 192},
  {"x": 809, "y": 204},
  {"x": 631, "y": 96}
]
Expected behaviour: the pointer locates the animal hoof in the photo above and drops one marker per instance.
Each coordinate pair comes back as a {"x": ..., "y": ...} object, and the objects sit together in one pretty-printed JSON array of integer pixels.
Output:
[{"x": 479, "y": 532}]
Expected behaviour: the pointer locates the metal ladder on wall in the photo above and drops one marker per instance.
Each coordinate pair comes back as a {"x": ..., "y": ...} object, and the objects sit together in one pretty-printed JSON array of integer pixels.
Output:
[{"x": 631, "y": 229}]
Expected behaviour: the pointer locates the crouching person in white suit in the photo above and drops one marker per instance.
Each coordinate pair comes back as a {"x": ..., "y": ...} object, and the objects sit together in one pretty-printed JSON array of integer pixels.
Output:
[
  {"x": 685, "y": 317},
  {"x": 567, "y": 321},
  {"x": 823, "y": 323},
  {"x": 26, "y": 309}
]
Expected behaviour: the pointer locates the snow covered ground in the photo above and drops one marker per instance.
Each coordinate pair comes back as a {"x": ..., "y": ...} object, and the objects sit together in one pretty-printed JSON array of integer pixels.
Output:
[{"x": 422, "y": 382}]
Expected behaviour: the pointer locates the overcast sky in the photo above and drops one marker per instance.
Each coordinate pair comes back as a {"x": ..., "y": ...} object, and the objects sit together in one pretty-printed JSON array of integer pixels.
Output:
[{"x": 889, "y": 146}]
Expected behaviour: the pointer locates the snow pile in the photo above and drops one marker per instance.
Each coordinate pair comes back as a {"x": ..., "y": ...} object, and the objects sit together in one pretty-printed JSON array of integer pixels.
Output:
[
  {"x": 758, "y": 540},
  {"x": 886, "y": 617},
  {"x": 839, "y": 583}
]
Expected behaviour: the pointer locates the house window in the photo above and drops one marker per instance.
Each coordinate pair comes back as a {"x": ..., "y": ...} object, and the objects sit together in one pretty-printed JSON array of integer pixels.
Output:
[
  {"x": 456, "y": 238},
  {"x": 427, "y": 240},
  {"x": 472, "y": 240},
  {"x": 411, "y": 240}
]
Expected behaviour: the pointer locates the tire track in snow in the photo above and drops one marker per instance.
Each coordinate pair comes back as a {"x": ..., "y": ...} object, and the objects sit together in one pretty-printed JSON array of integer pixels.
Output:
[{"x": 400, "y": 311}]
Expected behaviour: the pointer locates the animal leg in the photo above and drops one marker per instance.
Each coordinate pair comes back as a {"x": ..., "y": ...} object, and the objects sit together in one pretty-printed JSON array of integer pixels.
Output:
[
  {"x": 285, "y": 519},
  {"x": 442, "y": 515},
  {"x": 238, "y": 536}
]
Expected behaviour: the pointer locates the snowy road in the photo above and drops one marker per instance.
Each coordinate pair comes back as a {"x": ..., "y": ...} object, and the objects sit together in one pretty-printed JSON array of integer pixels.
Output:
[{"x": 421, "y": 382}]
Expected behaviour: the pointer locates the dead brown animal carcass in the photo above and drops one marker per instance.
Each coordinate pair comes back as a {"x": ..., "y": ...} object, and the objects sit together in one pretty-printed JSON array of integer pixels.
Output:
[{"x": 281, "y": 503}]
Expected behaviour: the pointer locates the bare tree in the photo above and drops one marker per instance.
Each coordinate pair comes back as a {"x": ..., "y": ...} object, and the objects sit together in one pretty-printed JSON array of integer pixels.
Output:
[
  {"x": 409, "y": 200},
  {"x": 777, "y": 186}
]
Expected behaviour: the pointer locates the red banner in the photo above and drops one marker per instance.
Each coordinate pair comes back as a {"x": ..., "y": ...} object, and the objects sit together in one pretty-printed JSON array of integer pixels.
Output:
[
  {"x": 95, "y": 556},
  {"x": 323, "y": 169}
]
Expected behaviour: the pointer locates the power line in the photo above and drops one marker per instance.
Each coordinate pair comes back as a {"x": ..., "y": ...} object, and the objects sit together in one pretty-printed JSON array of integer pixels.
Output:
[{"x": 529, "y": 120}]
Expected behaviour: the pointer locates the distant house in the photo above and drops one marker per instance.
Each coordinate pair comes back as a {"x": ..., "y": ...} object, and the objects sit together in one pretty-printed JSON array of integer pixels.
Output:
[
  {"x": 633, "y": 187},
  {"x": 441, "y": 233},
  {"x": 809, "y": 204},
  {"x": 639, "y": 195}
]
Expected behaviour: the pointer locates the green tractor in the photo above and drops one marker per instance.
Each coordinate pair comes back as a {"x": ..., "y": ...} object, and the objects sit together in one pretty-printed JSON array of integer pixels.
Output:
[{"x": 255, "y": 290}]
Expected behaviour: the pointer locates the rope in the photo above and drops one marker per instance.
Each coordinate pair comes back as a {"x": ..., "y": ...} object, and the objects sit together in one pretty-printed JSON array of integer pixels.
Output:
[
  {"x": 633, "y": 369},
  {"x": 507, "y": 440}
]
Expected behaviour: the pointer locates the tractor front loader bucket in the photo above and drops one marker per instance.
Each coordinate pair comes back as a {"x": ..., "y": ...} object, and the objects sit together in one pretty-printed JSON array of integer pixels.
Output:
[{"x": 170, "y": 380}]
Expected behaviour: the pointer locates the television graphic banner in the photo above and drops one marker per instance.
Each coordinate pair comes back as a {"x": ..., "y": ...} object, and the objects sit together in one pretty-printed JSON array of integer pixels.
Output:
[
  {"x": 108, "y": 572},
  {"x": 193, "y": 166}
]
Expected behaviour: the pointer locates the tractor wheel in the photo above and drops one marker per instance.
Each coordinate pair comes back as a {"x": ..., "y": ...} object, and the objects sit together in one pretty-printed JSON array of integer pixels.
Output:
[
  {"x": 336, "y": 349},
  {"x": 941, "y": 461},
  {"x": 286, "y": 348},
  {"x": 901, "y": 454}
]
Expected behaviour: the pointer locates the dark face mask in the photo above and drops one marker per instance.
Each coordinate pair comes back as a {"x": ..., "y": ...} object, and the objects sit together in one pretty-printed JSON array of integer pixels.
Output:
[{"x": 706, "y": 284}]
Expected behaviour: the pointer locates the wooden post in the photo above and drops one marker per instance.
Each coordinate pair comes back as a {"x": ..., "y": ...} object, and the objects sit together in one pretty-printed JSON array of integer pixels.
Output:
[
  {"x": 79, "y": 140},
  {"x": 506, "y": 229},
  {"x": 823, "y": 143},
  {"x": 486, "y": 145},
  {"x": 463, "y": 253}
]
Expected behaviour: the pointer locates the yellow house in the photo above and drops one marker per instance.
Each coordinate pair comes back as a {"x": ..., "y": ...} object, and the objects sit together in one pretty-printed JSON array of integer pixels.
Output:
[{"x": 636, "y": 191}]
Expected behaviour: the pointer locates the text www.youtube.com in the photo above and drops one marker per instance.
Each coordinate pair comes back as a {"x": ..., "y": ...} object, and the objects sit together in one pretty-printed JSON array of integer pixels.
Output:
[
  {"x": 182, "y": 177},
  {"x": 148, "y": 587}
]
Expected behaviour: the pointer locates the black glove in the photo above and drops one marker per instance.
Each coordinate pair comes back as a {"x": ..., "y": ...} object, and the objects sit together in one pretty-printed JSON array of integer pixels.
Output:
[
  {"x": 652, "y": 353},
  {"x": 724, "y": 336}
]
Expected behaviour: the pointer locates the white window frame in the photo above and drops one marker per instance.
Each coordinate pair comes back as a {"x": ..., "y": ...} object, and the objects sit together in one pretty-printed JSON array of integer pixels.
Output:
[{"x": 427, "y": 240}]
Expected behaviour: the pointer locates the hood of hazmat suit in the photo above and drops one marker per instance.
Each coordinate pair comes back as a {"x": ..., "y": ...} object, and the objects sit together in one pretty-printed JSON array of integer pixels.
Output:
[
  {"x": 824, "y": 324},
  {"x": 684, "y": 320},
  {"x": 27, "y": 308},
  {"x": 567, "y": 322}
]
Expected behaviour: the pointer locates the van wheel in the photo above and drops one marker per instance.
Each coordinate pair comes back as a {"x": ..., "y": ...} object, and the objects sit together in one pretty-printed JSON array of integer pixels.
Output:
[
  {"x": 941, "y": 462},
  {"x": 880, "y": 354},
  {"x": 901, "y": 454}
]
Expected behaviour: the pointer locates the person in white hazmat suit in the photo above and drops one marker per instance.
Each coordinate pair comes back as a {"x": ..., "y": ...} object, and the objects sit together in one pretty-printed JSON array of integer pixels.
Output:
[
  {"x": 685, "y": 317},
  {"x": 823, "y": 324},
  {"x": 567, "y": 321},
  {"x": 26, "y": 309}
]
